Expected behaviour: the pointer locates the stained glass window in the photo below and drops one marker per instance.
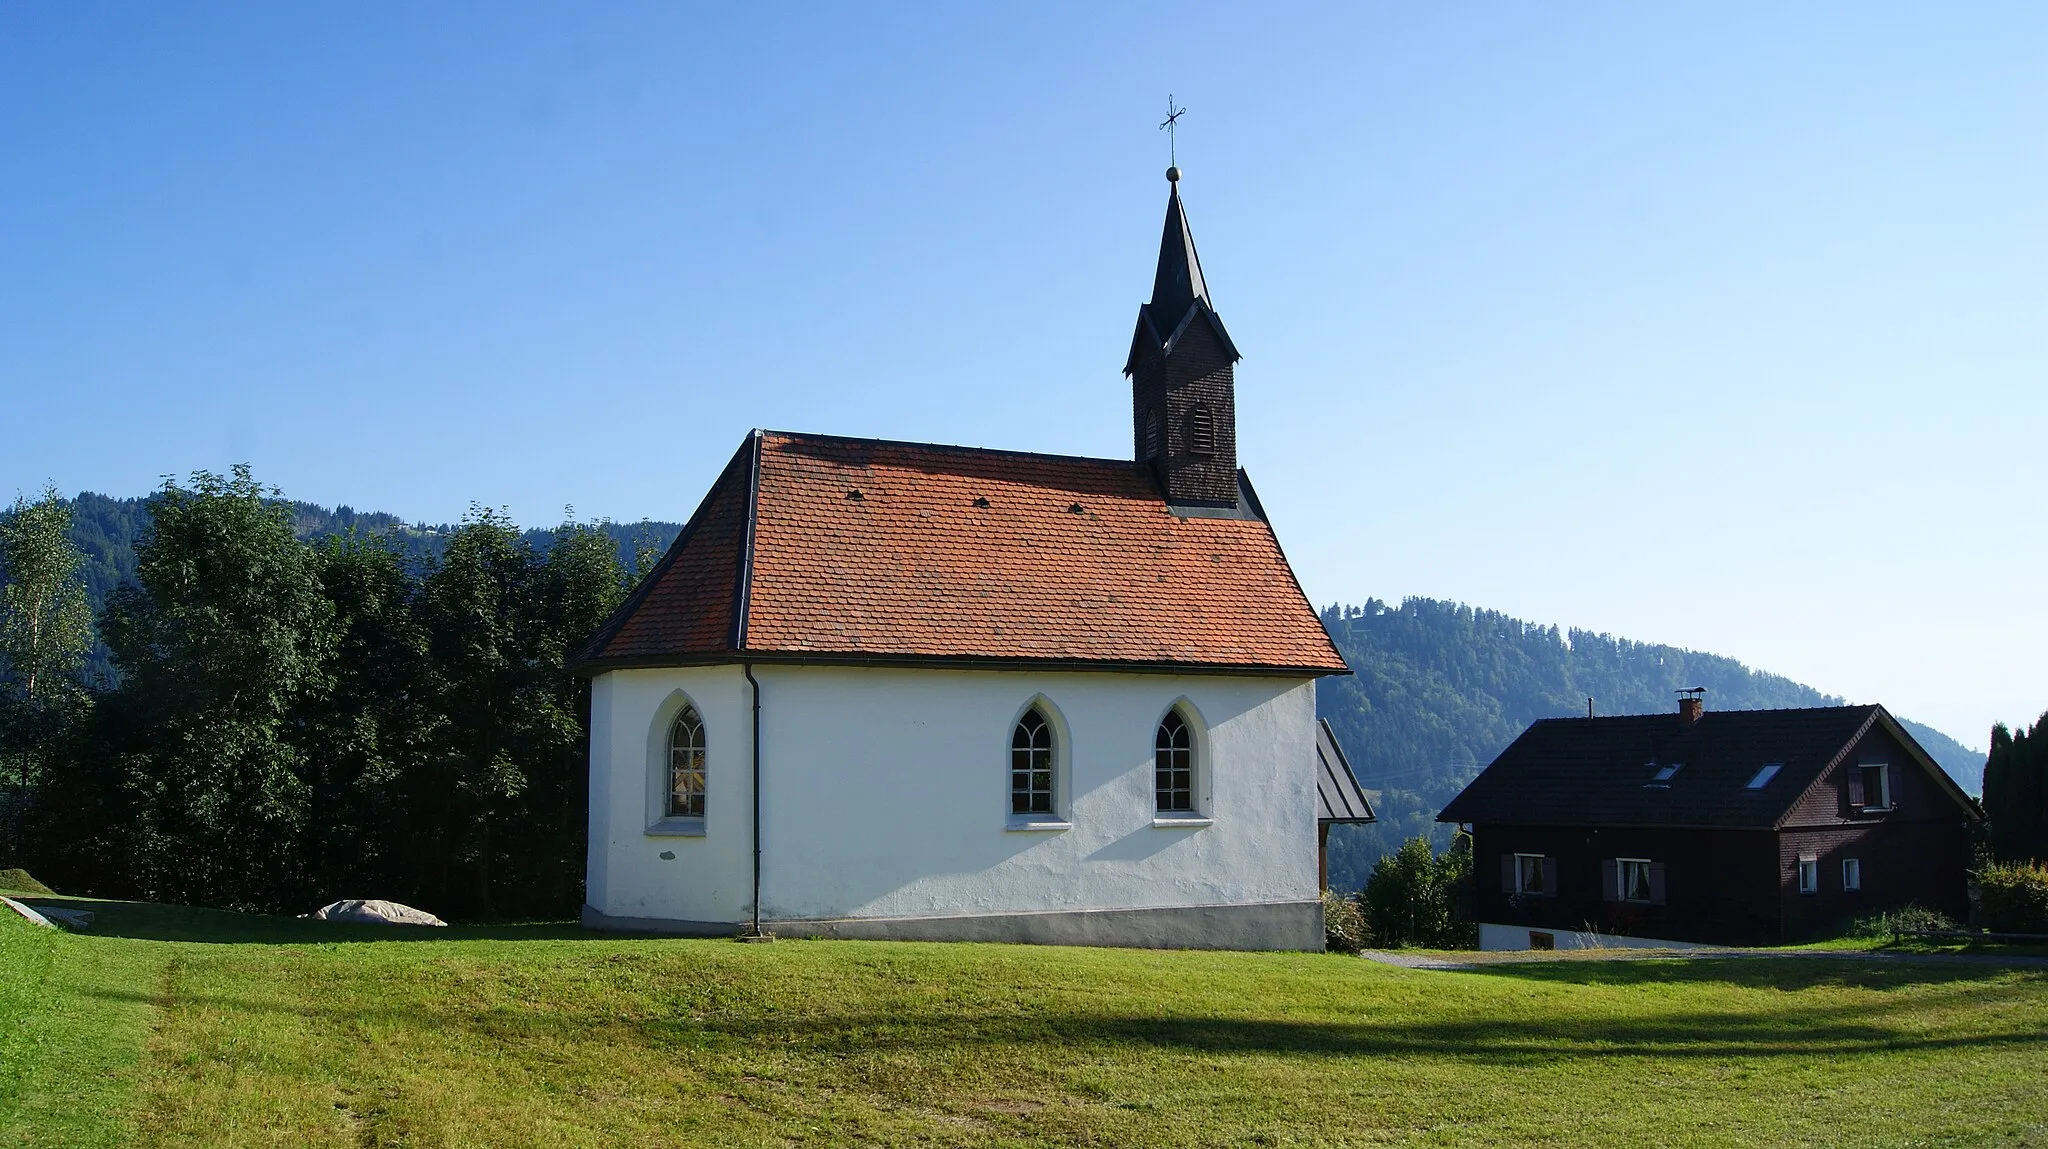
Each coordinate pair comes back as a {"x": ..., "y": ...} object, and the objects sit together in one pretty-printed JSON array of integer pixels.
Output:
[{"x": 686, "y": 765}]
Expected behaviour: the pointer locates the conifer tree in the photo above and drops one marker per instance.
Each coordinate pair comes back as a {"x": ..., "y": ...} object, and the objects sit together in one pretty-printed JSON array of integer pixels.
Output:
[{"x": 2016, "y": 793}]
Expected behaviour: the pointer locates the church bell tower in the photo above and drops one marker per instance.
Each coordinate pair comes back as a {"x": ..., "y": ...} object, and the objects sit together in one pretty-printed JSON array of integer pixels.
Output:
[{"x": 1183, "y": 394}]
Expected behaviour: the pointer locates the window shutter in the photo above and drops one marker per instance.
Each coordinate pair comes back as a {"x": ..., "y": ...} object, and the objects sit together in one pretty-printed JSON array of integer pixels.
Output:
[
  {"x": 1507, "y": 873},
  {"x": 1550, "y": 877},
  {"x": 1891, "y": 786},
  {"x": 1855, "y": 786},
  {"x": 1656, "y": 883},
  {"x": 1610, "y": 880}
]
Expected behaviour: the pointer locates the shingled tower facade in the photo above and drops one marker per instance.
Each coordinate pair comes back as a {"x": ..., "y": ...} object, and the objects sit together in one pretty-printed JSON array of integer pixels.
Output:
[{"x": 1183, "y": 392}]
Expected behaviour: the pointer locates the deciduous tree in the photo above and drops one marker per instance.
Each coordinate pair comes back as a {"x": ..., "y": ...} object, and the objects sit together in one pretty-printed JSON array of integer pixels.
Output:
[
  {"x": 45, "y": 631},
  {"x": 1418, "y": 897},
  {"x": 220, "y": 648},
  {"x": 45, "y": 624}
]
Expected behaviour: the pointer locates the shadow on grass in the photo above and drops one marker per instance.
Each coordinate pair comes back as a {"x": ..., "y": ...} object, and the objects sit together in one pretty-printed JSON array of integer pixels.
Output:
[
  {"x": 1515, "y": 1032},
  {"x": 151, "y": 921},
  {"x": 1782, "y": 973},
  {"x": 1500, "y": 1039}
]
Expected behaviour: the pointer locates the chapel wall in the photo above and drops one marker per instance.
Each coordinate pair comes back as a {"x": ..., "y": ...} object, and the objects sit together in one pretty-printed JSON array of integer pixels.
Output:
[
  {"x": 888, "y": 794},
  {"x": 707, "y": 877}
]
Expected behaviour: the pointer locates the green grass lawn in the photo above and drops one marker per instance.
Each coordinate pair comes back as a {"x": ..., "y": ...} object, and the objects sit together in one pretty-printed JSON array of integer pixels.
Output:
[{"x": 277, "y": 1032}]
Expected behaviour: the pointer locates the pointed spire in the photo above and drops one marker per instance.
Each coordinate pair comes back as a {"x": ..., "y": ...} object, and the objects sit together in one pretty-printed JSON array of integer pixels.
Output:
[
  {"x": 1183, "y": 383},
  {"x": 1178, "y": 282},
  {"x": 1179, "y": 291}
]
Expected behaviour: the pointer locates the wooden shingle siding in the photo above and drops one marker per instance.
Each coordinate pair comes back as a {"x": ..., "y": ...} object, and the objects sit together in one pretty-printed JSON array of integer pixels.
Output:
[
  {"x": 1905, "y": 863},
  {"x": 1715, "y": 886},
  {"x": 1198, "y": 375}
]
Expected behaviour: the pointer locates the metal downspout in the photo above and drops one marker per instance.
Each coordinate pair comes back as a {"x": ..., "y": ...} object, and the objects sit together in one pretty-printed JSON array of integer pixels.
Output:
[{"x": 755, "y": 685}]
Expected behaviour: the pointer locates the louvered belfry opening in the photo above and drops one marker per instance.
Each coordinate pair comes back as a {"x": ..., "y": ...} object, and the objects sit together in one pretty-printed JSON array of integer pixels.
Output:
[{"x": 1183, "y": 376}]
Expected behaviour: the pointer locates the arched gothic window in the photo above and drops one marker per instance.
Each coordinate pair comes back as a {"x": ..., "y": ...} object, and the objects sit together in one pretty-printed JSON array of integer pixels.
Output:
[
  {"x": 1173, "y": 759},
  {"x": 1031, "y": 769},
  {"x": 686, "y": 765}
]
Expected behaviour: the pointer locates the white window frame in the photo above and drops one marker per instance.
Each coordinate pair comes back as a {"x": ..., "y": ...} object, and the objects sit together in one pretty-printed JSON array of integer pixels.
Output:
[
  {"x": 1199, "y": 769},
  {"x": 1884, "y": 787},
  {"x": 1852, "y": 873},
  {"x": 660, "y": 823},
  {"x": 1621, "y": 868},
  {"x": 1522, "y": 868},
  {"x": 1809, "y": 874},
  {"x": 1056, "y": 726}
]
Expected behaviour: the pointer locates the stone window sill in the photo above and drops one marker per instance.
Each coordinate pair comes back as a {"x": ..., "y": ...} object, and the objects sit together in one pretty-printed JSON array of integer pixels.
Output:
[
  {"x": 677, "y": 828},
  {"x": 1039, "y": 823},
  {"x": 1191, "y": 822}
]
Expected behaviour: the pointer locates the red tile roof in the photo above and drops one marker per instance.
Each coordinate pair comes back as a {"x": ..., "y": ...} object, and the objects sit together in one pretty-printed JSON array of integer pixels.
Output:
[{"x": 868, "y": 551}]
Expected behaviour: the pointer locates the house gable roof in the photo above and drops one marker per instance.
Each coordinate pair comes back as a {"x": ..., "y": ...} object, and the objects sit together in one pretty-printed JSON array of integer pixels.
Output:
[
  {"x": 1882, "y": 718},
  {"x": 1601, "y": 771},
  {"x": 825, "y": 549}
]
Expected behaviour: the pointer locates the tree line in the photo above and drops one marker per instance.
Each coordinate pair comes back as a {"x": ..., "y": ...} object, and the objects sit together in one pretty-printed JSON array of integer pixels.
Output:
[
  {"x": 288, "y": 721},
  {"x": 264, "y": 719}
]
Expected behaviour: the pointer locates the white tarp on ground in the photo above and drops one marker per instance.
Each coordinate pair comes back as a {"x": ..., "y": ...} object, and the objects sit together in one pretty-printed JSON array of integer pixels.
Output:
[
  {"x": 73, "y": 919},
  {"x": 374, "y": 912},
  {"x": 29, "y": 913}
]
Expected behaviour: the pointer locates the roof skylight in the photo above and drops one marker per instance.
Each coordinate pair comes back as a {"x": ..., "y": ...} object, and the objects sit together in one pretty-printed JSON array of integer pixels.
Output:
[
  {"x": 1664, "y": 773},
  {"x": 1764, "y": 776}
]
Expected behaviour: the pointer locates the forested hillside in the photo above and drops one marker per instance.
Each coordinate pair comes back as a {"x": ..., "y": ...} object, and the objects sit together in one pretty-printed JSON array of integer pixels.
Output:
[{"x": 1440, "y": 688}]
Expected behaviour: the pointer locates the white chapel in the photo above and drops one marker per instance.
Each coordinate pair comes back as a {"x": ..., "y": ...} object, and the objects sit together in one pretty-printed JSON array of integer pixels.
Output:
[{"x": 900, "y": 690}]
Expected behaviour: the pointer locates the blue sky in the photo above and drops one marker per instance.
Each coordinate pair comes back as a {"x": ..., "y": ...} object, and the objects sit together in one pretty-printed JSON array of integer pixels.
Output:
[{"x": 1723, "y": 325}]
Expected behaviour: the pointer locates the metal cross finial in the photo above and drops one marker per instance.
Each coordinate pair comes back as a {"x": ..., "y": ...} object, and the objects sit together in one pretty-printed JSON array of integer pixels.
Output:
[{"x": 1173, "y": 115}]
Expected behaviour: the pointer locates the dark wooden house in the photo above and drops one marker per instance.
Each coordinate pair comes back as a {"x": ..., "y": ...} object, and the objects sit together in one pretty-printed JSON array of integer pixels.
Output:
[{"x": 1745, "y": 827}]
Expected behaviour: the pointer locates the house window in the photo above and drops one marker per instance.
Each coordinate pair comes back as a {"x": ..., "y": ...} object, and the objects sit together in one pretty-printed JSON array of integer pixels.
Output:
[
  {"x": 1852, "y": 873},
  {"x": 1635, "y": 880},
  {"x": 1809, "y": 874},
  {"x": 1529, "y": 875},
  {"x": 1031, "y": 767},
  {"x": 1870, "y": 787},
  {"x": 1173, "y": 765},
  {"x": 1666, "y": 773},
  {"x": 686, "y": 765},
  {"x": 1201, "y": 432},
  {"x": 1763, "y": 776}
]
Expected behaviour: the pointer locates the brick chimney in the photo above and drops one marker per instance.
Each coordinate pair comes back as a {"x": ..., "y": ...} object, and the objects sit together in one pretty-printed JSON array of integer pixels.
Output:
[{"x": 1691, "y": 704}]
